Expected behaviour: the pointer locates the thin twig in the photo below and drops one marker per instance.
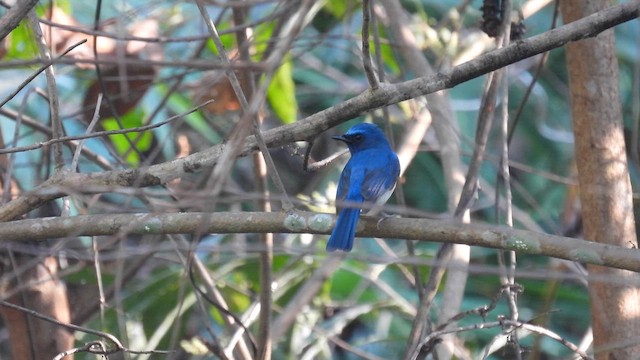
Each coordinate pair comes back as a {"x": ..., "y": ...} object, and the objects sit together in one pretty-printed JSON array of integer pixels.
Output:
[
  {"x": 305, "y": 295},
  {"x": 469, "y": 191},
  {"x": 52, "y": 91},
  {"x": 250, "y": 111},
  {"x": 42, "y": 68},
  {"x": 37, "y": 126},
  {"x": 92, "y": 124},
  {"x": 117, "y": 345},
  {"x": 265, "y": 340},
  {"x": 187, "y": 64},
  {"x": 159, "y": 39},
  {"x": 507, "y": 276},
  {"x": 8, "y": 175},
  {"x": 534, "y": 81},
  {"x": 428, "y": 341},
  {"x": 104, "y": 133},
  {"x": 105, "y": 91},
  {"x": 366, "y": 52},
  {"x": 322, "y": 163},
  {"x": 211, "y": 294},
  {"x": 14, "y": 15}
]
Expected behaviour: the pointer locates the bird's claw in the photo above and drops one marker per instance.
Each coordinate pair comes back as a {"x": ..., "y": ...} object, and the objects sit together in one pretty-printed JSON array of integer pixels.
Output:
[{"x": 383, "y": 217}]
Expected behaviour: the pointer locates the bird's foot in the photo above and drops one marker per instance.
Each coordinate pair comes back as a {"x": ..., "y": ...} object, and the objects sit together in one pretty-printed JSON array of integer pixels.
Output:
[{"x": 384, "y": 216}]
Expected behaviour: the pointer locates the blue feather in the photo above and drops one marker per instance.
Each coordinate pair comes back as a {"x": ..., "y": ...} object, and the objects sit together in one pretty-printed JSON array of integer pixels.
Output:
[
  {"x": 369, "y": 176},
  {"x": 344, "y": 231}
]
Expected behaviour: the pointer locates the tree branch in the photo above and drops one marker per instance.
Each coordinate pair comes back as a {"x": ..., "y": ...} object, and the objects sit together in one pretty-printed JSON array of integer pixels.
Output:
[
  {"x": 521, "y": 241},
  {"x": 12, "y": 17}
]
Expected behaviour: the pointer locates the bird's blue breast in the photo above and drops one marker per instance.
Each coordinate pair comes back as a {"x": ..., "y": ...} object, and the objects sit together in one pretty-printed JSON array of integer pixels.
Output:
[{"x": 369, "y": 176}]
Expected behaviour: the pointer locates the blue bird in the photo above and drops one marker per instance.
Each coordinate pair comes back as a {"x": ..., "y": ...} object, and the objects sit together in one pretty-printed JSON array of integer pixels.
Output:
[{"x": 369, "y": 176}]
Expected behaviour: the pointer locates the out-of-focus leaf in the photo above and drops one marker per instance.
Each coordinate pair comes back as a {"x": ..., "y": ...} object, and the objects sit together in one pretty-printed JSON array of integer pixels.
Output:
[
  {"x": 122, "y": 142},
  {"x": 282, "y": 90},
  {"x": 194, "y": 346},
  {"x": 228, "y": 41},
  {"x": 282, "y": 94},
  {"x": 21, "y": 43},
  {"x": 389, "y": 59},
  {"x": 263, "y": 36},
  {"x": 330, "y": 16},
  {"x": 425, "y": 178},
  {"x": 64, "y": 5},
  {"x": 179, "y": 104},
  {"x": 343, "y": 283},
  {"x": 337, "y": 8}
]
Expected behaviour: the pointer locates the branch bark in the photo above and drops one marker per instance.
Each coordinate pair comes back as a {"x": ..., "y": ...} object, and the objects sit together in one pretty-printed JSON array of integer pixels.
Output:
[
  {"x": 521, "y": 241},
  {"x": 14, "y": 15}
]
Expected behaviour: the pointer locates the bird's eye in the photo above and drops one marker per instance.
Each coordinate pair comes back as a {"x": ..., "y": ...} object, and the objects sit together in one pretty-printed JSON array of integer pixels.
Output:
[{"x": 358, "y": 137}]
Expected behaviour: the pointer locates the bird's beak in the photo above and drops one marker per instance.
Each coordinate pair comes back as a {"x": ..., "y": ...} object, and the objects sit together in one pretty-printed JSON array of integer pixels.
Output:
[{"x": 341, "y": 138}]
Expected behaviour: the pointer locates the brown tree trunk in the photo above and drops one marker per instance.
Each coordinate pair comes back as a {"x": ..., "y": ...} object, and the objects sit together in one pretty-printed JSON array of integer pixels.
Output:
[
  {"x": 38, "y": 289},
  {"x": 605, "y": 188}
]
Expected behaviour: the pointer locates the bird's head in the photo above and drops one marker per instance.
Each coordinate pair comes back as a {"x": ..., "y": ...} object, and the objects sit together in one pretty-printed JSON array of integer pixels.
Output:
[{"x": 363, "y": 136}]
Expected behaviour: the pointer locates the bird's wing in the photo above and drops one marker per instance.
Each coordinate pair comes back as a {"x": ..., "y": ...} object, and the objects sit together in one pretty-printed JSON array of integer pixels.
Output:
[
  {"x": 349, "y": 186},
  {"x": 343, "y": 185},
  {"x": 379, "y": 180}
]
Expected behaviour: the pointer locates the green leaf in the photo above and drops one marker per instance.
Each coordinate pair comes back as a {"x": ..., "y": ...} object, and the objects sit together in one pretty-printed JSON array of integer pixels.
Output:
[
  {"x": 337, "y": 8},
  {"x": 180, "y": 104},
  {"x": 122, "y": 142},
  {"x": 64, "y": 5},
  {"x": 21, "y": 43},
  {"x": 282, "y": 93},
  {"x": 389, "y": 58},
  {"x": 228, "y": 40}
]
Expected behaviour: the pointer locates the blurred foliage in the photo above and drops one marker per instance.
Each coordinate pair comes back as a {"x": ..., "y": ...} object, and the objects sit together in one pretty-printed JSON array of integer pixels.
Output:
[
  {"x": 130, "y": 145},
  {"x": 365, "y": 301}
]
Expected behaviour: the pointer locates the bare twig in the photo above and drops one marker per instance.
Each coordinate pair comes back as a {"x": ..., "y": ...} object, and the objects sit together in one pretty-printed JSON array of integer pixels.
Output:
[
  {"x": 250, "y": 111},
  {"x": 366, "y": 52},
  {"x": 543, "y": 59},
  {"x": 160, "y": 39},
  {"x": 14, "y": 15},
  {"x": 265, "y": 340},
  {"x": 263, "y": 165},
  {"x": 35, "y": 125},
  {"x": 421, "y": 322},
  {"x": 88, "y": 135},
  {"x": 429, "y": 339},
  {"x": 8, "y": 175},
  {"x": 322, "y": 163},
  {"x": 117, "y": 345},
  {"x": 216, "y": 299},
  {"x": 304, "y": 296},
  {"x": 52, "y": 90},
  {"x": 446, "y": 129},
  {"x": 187, "y": 64},
  {"x": 47, "y": 64},
  {"x": 92, "y": 124},
  {"x": 507, "y": 277}
]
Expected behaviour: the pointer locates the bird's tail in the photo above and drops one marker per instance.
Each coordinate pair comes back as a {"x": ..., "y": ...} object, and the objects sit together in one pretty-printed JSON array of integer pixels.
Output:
[{"x": 345, "y": 230}]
